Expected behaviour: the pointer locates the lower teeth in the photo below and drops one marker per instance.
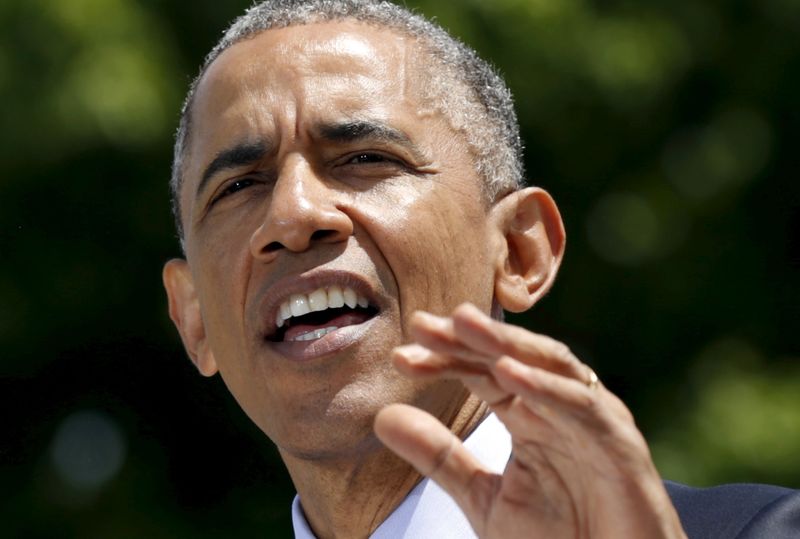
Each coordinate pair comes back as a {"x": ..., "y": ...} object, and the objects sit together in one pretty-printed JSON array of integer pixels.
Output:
[{"x": 316, "y": 334}]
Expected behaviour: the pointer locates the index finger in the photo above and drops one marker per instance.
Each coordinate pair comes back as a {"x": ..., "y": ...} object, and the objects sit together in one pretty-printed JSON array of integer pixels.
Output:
[{"x": 496, "y": 339}]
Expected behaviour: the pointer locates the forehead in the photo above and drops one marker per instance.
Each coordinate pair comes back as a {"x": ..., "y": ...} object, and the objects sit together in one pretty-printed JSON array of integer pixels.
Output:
[
  {"x": 318, "y": 72},
  {"x": 341, "y": 66},
  {"x": 329, "y": 47}
]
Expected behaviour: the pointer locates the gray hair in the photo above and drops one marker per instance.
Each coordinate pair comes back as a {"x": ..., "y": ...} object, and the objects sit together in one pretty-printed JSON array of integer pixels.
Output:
[{"x": 479, "y": 105}]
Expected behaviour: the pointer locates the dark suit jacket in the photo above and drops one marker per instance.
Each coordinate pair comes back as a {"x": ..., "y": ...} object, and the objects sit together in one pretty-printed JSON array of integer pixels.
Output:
[{"x": 737, "y": 511}]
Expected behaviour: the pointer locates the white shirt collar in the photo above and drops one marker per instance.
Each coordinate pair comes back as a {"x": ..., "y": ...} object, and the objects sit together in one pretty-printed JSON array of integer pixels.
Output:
[{"x": 428, "y": 511}]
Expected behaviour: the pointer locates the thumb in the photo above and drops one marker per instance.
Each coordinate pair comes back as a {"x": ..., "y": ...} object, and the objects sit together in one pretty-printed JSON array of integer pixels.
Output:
[{"x": 430, "y": 447}]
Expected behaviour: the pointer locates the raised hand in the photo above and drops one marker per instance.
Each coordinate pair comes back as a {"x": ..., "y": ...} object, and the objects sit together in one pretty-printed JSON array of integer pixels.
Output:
[{"x": 579, "y": 468}]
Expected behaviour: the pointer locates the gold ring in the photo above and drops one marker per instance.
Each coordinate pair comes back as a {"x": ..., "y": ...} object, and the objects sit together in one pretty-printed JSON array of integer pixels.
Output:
[{"x": 593, "y": 382}]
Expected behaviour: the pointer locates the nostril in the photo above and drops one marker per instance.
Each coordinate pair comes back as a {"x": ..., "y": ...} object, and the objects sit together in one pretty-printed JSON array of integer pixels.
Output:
[
  {"x": 272, "y": 247},
  {"x": 295, "y": 241},
  {"x": 322, "y": 234}
]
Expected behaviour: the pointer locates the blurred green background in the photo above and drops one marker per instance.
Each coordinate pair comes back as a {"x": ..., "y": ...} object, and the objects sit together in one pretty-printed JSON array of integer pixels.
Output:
[{"x": 667, "y": 131}]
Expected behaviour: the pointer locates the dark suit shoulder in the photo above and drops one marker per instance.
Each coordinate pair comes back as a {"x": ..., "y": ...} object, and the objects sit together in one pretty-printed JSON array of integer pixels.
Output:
[{"x": 743, "y": 511}]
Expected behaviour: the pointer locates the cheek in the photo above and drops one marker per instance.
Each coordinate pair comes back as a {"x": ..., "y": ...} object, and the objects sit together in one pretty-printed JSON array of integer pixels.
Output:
[
  {"x": 223, "y": 273},
  {"x": 228, "y": 228},
  {"x": 222, "y": 249},
  {"x": 434, "y": 240}
]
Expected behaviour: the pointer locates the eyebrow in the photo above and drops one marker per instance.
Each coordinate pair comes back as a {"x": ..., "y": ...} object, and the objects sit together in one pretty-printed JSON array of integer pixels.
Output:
[
  {"x": 362, "y": 130},
  {"x": 248, "y": 153},
  {"x": 240, "y": 155}
]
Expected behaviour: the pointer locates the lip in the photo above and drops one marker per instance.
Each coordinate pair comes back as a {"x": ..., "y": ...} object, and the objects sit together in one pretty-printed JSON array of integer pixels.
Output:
[
  {"x": 307, "y": 282},
  {"x": 330, "y": 343}
]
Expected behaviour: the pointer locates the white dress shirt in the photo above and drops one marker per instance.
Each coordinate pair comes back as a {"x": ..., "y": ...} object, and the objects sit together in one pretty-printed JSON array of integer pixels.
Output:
[{"x": 428, "y": 511}]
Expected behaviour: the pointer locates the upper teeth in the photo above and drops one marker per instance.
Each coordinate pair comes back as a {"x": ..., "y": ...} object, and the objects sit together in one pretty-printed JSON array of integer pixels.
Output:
[{"x": 331, "y": 297}]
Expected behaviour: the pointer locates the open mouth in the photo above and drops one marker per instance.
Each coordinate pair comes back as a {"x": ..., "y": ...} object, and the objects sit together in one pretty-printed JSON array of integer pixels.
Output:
[{"x": 306, "y": 317}]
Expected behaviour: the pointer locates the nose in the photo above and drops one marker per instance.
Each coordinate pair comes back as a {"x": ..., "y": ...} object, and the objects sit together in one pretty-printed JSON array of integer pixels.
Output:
[{"x": 302, "y": 212}]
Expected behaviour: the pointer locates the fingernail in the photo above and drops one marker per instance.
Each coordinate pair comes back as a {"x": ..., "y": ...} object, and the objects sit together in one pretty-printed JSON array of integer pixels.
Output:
[
  {"x": 469, "y": 309},
  {"x": 414, "y": 353},
  {"x": 430, "y": 319}
]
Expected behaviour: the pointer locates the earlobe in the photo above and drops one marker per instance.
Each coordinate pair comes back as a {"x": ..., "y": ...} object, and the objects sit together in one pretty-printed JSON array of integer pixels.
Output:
[
  {"x": 184, "y": 310},
  {"x": 531, "y": 247}
]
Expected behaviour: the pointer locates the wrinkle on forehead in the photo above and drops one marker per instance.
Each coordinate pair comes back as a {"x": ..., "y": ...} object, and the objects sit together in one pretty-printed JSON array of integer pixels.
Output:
[
  {"x": 347, "y": 45},
  {"x": 350, "y": 60},
  {"x": 330, "y": 47},
  {"x": 339, "y": 53}
]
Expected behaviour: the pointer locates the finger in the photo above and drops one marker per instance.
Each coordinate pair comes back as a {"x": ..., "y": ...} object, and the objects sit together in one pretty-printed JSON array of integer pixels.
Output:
[
  {"x": 492, "y": 338},
  {"x": 474, "y": 337},
  {"x": 434, "y": 451},
  {"x": 444, "y": 355},
  {"x": 418, "y": 361},
  {"x": 564, "y": 396},
  {"x": 437, "y": 333},
  {"x": 486, "y": 388}
]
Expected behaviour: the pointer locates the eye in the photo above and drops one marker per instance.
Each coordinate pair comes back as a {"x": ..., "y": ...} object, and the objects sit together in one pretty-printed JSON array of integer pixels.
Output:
[
  {"x": 367, "y": 157},
  {"x": 233, "y": 187},
  {"x": 370, "y": 166}
]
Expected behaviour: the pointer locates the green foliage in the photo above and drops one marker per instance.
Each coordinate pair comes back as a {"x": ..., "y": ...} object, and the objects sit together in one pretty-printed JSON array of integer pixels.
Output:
[
  {"x": 667, "y": 132},
  {"x": 740, "y": 419}
]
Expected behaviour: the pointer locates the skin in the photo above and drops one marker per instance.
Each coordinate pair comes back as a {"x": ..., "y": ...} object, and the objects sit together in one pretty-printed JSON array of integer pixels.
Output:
[{"x": 398, "y": 213}]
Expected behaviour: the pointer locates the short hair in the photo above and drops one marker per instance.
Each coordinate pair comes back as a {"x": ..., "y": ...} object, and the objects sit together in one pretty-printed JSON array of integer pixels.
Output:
[{"x": 479, "y": 105}]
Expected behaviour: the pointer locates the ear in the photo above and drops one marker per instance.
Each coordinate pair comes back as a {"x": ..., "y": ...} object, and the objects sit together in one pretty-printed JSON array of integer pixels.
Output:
[
  {"x": 184, "y": 310},
  {"x": 531, "y": 247}
]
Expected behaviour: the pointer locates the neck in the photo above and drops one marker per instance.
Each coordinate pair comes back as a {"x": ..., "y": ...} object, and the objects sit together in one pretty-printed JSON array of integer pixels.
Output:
[{"x": 351, "y": 495}]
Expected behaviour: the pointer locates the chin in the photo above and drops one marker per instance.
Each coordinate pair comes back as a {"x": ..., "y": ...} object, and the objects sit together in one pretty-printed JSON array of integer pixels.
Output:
[{"x": 335, "y": 435}]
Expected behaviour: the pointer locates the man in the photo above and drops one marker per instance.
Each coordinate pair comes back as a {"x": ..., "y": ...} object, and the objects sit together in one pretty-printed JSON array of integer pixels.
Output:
[{"x": 348, "y": 190}]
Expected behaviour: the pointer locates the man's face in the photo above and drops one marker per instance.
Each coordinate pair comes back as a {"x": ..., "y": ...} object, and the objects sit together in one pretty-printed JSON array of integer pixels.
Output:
[{"x": 316, "y": 165}]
